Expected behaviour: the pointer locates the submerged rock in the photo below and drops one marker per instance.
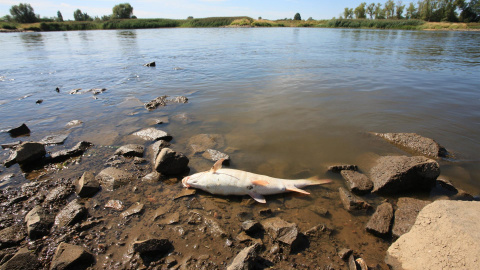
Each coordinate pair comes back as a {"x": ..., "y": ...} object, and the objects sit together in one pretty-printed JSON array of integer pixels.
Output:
[
  {"x": 245, "y": 259},
  {"x": 87, "y": 185},
  {"x": 342, "y": 167},
  {"x": 393, "y": 174},
  {"x": 215, "y": 155},
  {"x": 152, "y": 177},
  {"x": 77, "y": 150},
  {"x": 74, "y": 123},
  {"x": 54, "y": 139},
  {"x": 151, "y": 64},
  {"x": 24, "y": 259},
  {"x": 351, "y": 202},
  {"x": 69, "y": 256},
  {"x": 202, "y": 142},
  {"x": 379, "y": 223},
  {"x": 405, "y": 215},
  {"x": 19, "y": 131},
  {"x": 153, "y": 134},
  {"x": 38, "y": 222},
  {"x": 136, "y": 208},
  {"x": 130, "y": 150},
  {"x": 170, "y": 162},
  {"x": 415, "y": 143},
  {"x": 444, "y": 236},
  {"x": 358, "y": 183},
  {"x": 113, "y": 178}
]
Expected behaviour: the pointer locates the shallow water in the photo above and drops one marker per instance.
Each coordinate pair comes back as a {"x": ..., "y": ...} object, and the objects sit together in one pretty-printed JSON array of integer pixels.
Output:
[{"x": 290, "y": 101}]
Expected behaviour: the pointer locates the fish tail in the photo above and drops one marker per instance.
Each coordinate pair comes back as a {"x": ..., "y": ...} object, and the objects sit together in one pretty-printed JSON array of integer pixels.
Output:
[{"x": 307, "y": 182}]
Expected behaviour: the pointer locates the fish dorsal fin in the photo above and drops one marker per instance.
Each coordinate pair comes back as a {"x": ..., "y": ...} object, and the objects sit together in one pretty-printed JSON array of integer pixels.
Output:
[
  {"x": 257, "y": 197},
  {"x": 217, "y": 166},
  {"x": 260, "y": 182},
  {"x": 295, "y": 189}
]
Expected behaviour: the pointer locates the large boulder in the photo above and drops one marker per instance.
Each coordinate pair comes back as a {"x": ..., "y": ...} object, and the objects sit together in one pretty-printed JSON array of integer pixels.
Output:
[
  {"x": 87, "y": 185},
  {"x": 11, "y": 236},
  {"x": 113, "y": 178},
  {"x": 379, "y": 223},
  {"x": 26, "y": 154},
  {"x": 69, "y": 256},
  {"x": 19, "y": 131},
  {"x": 24, "y": 259},
  {"x": 38, "y": 222},
  {"x": 405, "y": 215},
  {"x": 393, "y": 174},
  {"x": 169, "y": 162},
  {"x": 415, "y": 143},
  {"x": 245, "y": 259},
  {"x": 445, "y": 236}
]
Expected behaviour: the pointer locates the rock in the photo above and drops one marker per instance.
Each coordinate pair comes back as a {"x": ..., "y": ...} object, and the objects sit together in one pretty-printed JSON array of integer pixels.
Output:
[
  {"x": 74, "y": 123},
  {"x": 185, "y": 192},
  {"x": 321, "y": 211},
  {"x": 351, "y": 202},
  {"x": 153, "y": 104},
  {"x": 152, "y": 177},
  {"x": 151, "y": 64},
  {"x": 28, "y": 153},
  {"x": 11, "y": 236},
  {"x": 160, "y": 120},
  {"x": 379, "y": 223},
  {"x": 139, "y": 160},
  {"x": 73, "y": 213},
  {"x": 54, "y": 139},
  {"x": 153, "y": 134},
  {"x": 170, "y": 162},
  {"x": 415, "y": 143},
  {"x": 24, "y": 259},
  {"x": 445, "y": 184},
  {"x": 136, "y": 208},
  {"x": 19, "y": 131},
  {"x": 342, "y": 167},
  {"x": 393, "y": 174},
  {"x": 59, "y": 193},
  {"x": 280, "y": 230},
  {"x": 202, "y": 142},
  {"x": 358, "y": 183},
  {"x": 39, "y": 101},
  {"x": 114, "y": 204},
  {"x": 251, "y": 227},
  {"x": 245, "y": 259},
  {"x": 462, "y": 195},
  {"x": 87, "y": 185},
  {"x": 172, "y": 218},
  {"x": 445, "y": 236},
  {"x": 405, "y": 215},
  {"x": 152, "y": 246},
  {"x": 345, "y": 253},
  {"x": 215, "y": 155},
  {"x": 351, "y": 263},
  {"x": 183, "y": 118},
  {"x": 74, "y": 91},
  {"x": 96, "y": 91},
  {"x": 194, "y": 218},
  {"x": 130, "y": 150},
  {"x": 179, "y": 99},
  {"x": 113, "y": 178},
  {"x": 63, "y": 155},
  {"x": 214, "y": 228},
  {"x": 158, "y": 146},
  {"x": 69, "y": 256}
]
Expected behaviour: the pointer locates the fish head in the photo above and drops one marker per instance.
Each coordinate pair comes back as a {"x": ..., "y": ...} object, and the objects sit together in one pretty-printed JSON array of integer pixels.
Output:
[{"x": 194, "y": 180}]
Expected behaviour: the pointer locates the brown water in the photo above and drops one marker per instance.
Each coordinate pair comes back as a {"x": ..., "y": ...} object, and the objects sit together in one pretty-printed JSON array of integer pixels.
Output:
[{"x": 289, "y": 101}]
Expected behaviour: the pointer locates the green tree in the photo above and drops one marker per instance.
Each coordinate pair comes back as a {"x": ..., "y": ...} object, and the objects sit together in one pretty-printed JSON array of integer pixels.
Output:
[
  {"x": 105, "y": 17},
  {"x": 412, "y": 11},
  {"x": 360, "y": 11},
  {"x": 348, "y": 13},
  {"x": 389, "y": 9},
  {"x": 469, "y": 12},
  {"x": 79, "y": 16},
  {"x": 371, "y": 10},
  {"x": 297, "y": 17},
  {"x": 379, "y": 12},
  {"x": 122, "y": 11},
  {"x": 23, "y": 13},
  {"x": 399, "y": 10},
  {"x": 59, "y": 17}
]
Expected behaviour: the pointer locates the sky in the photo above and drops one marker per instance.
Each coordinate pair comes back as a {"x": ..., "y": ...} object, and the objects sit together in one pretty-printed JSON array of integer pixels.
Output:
[{"x": 181, "y": 9}]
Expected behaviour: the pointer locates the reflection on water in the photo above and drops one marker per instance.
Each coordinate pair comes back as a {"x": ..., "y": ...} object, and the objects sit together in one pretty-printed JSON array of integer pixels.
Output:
[{"x": 32, "y": 41}]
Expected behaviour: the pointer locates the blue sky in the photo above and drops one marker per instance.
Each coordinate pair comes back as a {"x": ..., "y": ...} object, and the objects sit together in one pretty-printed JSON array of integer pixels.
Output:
[{"x": 179, "y": 9}]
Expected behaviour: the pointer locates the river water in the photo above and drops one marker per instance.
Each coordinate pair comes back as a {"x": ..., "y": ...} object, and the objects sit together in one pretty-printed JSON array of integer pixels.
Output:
[{"x": 289, "y": 101}]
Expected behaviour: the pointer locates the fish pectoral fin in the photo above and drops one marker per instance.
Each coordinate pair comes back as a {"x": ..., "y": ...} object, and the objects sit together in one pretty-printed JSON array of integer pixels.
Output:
[
  {"x": 295, "y": 189},
  {"x": 260, "y": 182},
  {"x": 217, "y": 166},
  {"x": 257, "y": 197}
]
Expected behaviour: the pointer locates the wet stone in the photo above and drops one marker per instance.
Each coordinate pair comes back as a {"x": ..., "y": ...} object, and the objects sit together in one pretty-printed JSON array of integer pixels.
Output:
[
  {"x": 194, "y": 218},
  {"x": 152, "y": 245},
  {"x": 321, "y": 211},
  {"x": 379, "y": 223},
  {"x": 151, "y": 64},
  {"x": 29, "y": 152},
  {"x": 415, "y": 143},
  {"x": 57, "y": 194},
  {"x": 351, "y": 202},
  {"x": 158, "y": 146},
  {"x": 202, "y": 142},
  {"x": 19, "y": 131},
  {"x": 152, "y": 177},
  {"x": 172, "y": 218},
  {"x": 153, "y": 134},
  {"x": 113, "y": 178},
  {"x": 342, "y": 167},
  {"x": 74, "y": 123},
  {"x": 251, "y": 227},
  {"x": 214, "y": 228},
  {"x": 69, "y": 256},
  {"x": 87, "y": 185},
  {"x": 215, "y": 155},
  {"x": 114, "y": 204},
  {"x": 75, "y": 151},
  {"x": 406, "y": 214},
  {"x": 170, "y": 162},
  {"x": 245, "y": 259},
  {"x": 11, "y": 236},
  {"x": 345, "y": 253},
  {"x": 54, "y": 139},
  {"x": 358, "y": 183},
  {"x": 130, "y": 150},
  {"x": 185, "y": 192},
  {"x": 24, "y": 259},
  {"x": 280, "y": 230},
  {"x": 70, "y": 214},
  {"x": 135, "y": 209},
  {"x": 38, "y": 222}
]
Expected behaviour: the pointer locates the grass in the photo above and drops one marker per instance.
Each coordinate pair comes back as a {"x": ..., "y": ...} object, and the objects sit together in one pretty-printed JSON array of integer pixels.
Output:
[{"x": 376, "y": 24}]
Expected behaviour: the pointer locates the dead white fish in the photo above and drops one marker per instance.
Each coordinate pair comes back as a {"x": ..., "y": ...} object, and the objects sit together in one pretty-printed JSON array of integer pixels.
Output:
[{"x": 236, "y": 182}]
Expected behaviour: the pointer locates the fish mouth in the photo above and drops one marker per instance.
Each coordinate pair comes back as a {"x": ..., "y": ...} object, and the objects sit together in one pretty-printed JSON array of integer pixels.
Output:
[{"x": 184, "y": 182}]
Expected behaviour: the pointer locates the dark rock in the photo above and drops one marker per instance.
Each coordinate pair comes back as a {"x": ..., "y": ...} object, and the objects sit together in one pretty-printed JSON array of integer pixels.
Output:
[
  {"x": 153, "y": 104},
  {"x": 251, "y": 227},
  {"x": 280, "y": 230},
  {"x": 170, "y": 162},
  {"x": 158, "y": 146},
  {"x": 135, "y": 209},
  {"x": 22, "y": 260},
  {"x": 265, "y": 212},
  {"x": 379, "y": 223},
  {"x": 152, "y": 246},
  {"x": 87, "y": 185},
  {"x": 445, "y": 184},
  {"x": 351, "y": 202},
  {"x": 73, "y": 213},
  {"x": 415, "y": 143},
  {"x": 153, "y": 134},
  {"x": 57, "y": 194},
  {"x": 54, "y": 139},
  {"x": 130, "y": 150},
  {"x": 113, "y": 178},
  {"x": 202, "y": 142},
  {"x": 11, "y": 236},
  {"x": 245, "y": 259},
  {"x": 345, "y": 253},
  {"x": 462, "y": 195},
  {"x": 19, "y": 131},
  {"x": 358, "y": 183},
  {"x": 26, "y": 154},
  {"x": 152, "y": 177},
  {"x": 17, "y": 199},
  {"x": 77, "y": 150},
  {"x": 57, "y": 90},
  {"x": 69, "y": 256},
  {"x": 151, "y": 64},
  {"x": 394, "y": 174},
  {"x": 39, "y": 101},
  {"x": 342, "y": 167},
  {"x": 96, "y": 91},
  {"x": 405, "y": 215},
  {"x": 215, "y": 155}
]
